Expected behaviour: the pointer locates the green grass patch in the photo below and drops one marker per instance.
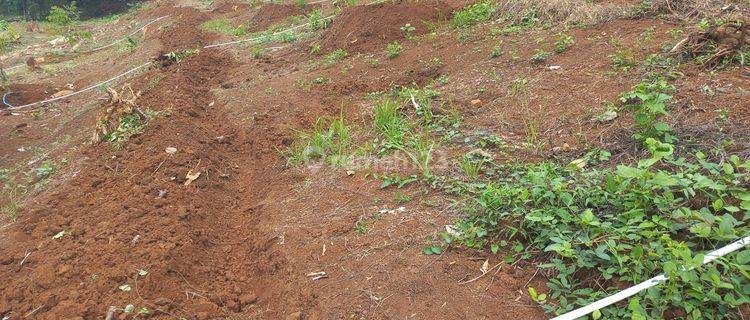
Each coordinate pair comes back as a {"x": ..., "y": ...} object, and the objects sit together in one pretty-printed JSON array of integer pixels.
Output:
[
  {"x": 224, "y": 25},
  {"x": 473, "y": 14},
  {"x": 329, "y": 141}
]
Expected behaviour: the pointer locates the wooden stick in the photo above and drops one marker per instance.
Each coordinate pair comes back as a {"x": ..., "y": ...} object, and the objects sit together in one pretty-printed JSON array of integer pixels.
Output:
[
  {"x": 24, "y": 258},
  {"x": 481, "y": 275}
]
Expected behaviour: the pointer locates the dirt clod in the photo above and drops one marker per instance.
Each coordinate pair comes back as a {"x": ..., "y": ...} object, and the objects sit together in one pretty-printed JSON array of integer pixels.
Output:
[{"x": 248, "y": 298}]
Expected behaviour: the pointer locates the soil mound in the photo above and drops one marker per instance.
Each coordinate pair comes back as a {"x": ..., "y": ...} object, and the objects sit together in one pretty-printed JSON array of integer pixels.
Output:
[
  {"x": 232, "y": 7},
  {"x": 369, "y": 28},
  {"x": 270, "y": 14}
]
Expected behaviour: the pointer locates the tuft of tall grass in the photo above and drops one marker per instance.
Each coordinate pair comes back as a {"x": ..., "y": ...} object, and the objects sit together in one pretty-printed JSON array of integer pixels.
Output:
[
  {"x": 328, "y": 141},
  {"x": 390, "y": 123}
]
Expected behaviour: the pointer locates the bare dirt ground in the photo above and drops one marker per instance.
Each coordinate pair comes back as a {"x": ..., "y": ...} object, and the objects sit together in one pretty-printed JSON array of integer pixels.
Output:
[{"x": 247, "y": 237}]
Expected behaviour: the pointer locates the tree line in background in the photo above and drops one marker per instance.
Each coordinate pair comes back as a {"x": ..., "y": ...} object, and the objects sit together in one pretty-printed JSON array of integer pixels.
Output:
[{"x": 38, "y": 9}]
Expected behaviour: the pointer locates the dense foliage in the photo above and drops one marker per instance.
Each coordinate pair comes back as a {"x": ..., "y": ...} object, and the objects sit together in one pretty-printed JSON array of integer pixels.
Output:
[
  {"x": 598, "y": 227},
  {"x": 38, "y": 9}
]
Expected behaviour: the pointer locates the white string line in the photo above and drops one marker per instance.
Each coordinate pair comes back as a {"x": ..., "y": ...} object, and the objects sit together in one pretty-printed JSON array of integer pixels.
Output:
[
  {"x": 129, "y": 35},
  {"x": 148, "y": 63},
  {"x": 629, "y": 292},
  {"x": 264, "y": 36},
  {"x": 109, "y": 45},
  {"x": 83, "y": 90}
]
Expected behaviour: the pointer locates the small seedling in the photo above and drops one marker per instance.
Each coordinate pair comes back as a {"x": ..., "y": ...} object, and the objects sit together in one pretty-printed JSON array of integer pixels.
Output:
[
  {"x": 624, "y": 59},
  {"x": 539, "y": 298},
  {"x": 256, "y": 52},
  {"x": 402, "y": 198},
  {"x": 315, "y": 49},
  {"x": 722, "y": 114},
  {"x": 497, "y": 52},
  {"x": 443, "y": 79},
  {"x": 177, "y": 56},
  {"x": 409, "y": 30},
  {"x": 317, "y": 22},
  {"x": 432, "y": 250},
  {"x": 540, "y": 55},
  {"x": 333, "y": 57},
  {"x": 397, "y": 181},
  {"x": 361, "y": 228},
  {"x": 394, "y": 49},
  {"x": 131, "y": 44},
  {"x": 563, "y": 42}
]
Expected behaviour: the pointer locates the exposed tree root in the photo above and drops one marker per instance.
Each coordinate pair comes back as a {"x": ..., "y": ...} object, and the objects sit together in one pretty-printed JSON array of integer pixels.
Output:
[
  {"x": 717, "y": 43},
  {"x": 116, "y": 107}
]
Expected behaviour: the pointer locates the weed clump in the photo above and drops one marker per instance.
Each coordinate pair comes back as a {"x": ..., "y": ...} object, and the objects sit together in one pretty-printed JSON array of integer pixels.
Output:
[
  {"x": 64, "y": 20},
  {"x": 473, "y": 14},
  {"x": 329, "y": 141},
  {"x": 223, "y": 25},
  {"x": 394, "y": 49},
  {"x": 8, "y": 36}
]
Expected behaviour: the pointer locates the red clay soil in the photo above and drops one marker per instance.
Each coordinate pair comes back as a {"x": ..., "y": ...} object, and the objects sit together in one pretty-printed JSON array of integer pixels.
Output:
[
  {"x": 272, "y": 13},
  {"x": 232, "y": 7},
  {"x": 216, "y": 248},
  {"x": 242, "y": 239},
  {"x": 370, "y": 28},
  {"x": 20, "y": 94}
]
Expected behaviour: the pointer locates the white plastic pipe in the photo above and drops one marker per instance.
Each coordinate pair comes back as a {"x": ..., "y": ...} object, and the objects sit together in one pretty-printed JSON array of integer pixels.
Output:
[
  {"x": 129, "y": 35},
  {"x": 82, "y": 90},
  {"x": 264, "y": 36},
  {"x": 629, "y": 292}
]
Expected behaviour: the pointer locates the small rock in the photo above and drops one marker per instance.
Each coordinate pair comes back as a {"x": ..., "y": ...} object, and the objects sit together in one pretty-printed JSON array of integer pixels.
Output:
[
  {"x": 608, "y": 115},
  {"x": 182, "y": 212},
  {"x": 248, "y": 298},
  {"x": 232, "y": 305},
  {"x": 475, "y": 102},
  {"x": 63, "y": 269}
]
